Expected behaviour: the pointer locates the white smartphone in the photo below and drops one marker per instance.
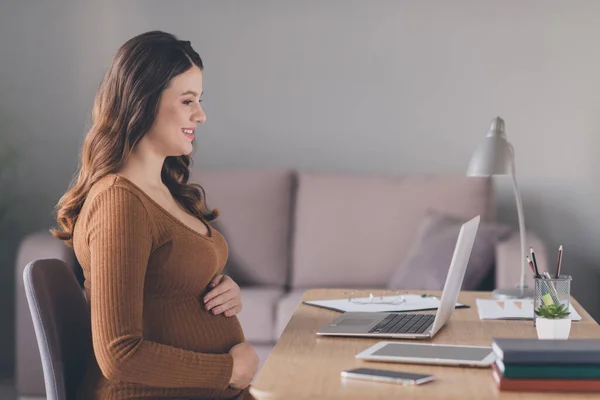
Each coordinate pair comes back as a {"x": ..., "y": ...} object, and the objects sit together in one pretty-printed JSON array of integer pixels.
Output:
[
  {"x": 384, "y": 375},
  {"x": 444, "y": 354}
]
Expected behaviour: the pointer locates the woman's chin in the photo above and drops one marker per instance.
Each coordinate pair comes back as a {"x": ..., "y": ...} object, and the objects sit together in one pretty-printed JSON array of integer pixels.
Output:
[{"x": 185, "y": 150}]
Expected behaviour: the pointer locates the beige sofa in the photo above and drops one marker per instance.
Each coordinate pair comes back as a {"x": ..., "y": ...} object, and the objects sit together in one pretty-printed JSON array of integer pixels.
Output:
[{"x": 289, "y": 231}]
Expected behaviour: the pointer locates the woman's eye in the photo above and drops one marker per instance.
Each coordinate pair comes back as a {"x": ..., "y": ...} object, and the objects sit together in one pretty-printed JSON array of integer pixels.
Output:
[{"x": 188, "y": 102}]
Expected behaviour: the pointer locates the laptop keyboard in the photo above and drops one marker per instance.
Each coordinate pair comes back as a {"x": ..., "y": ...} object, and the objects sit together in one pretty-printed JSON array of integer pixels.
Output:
[{"x": 404, "y": 323}]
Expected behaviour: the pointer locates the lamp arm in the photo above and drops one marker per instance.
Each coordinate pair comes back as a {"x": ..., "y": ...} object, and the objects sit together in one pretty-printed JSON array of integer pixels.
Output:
[{"x": 521, "y": 220}]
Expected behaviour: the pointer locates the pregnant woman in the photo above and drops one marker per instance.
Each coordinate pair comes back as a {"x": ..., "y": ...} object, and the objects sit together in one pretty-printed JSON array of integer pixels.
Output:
[{"x": 164, "y": 321}]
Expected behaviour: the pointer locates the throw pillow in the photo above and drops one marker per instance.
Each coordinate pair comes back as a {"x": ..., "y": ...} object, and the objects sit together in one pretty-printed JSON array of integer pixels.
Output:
[{"x": 428, "y": 262}]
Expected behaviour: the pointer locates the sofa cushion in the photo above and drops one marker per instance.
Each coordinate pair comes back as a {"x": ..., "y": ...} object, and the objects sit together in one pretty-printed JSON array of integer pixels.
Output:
[
  {"x": 258, "y": 312},
  {"x": 255, "y": 216},
  {"x": 285, "y": 309},
  {"x": 355, "y": 230},
  {"x": 427, "y": 265}
]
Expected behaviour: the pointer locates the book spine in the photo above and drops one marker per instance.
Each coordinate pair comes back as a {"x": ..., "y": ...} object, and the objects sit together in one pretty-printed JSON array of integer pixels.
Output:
[
  {"x": 553, "y": 357},
  {"x": 545, "y": 385},
  {"x": 550, "y": 371}
]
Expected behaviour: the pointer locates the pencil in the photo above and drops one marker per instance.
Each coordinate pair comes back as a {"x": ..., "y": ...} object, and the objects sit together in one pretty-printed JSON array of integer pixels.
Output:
[
  {"x": 532, "y": 267},
  {"x": 559, "y": 261},
  {"x": 537, "y": 271}
]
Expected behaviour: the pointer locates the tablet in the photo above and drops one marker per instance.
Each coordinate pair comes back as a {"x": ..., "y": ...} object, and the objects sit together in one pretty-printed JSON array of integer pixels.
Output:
[{"x": 445, "y": 354}]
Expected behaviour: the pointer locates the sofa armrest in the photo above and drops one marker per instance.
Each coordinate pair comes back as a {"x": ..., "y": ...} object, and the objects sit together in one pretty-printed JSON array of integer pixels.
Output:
[
  {"x": 508, "y": 259},
  {"x": 28, "y": 365}
]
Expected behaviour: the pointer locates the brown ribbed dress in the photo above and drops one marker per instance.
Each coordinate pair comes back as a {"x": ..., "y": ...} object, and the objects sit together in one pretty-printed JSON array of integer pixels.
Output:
[{"x": 145, "y": 275}]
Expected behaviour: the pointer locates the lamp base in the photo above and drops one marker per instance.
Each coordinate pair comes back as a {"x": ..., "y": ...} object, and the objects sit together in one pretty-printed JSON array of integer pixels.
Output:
[{"x": 513, "y": 293}]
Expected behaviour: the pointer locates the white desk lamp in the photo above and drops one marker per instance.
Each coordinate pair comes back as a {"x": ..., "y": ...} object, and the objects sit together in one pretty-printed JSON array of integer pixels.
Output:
[{"x": 496, "y": 156}]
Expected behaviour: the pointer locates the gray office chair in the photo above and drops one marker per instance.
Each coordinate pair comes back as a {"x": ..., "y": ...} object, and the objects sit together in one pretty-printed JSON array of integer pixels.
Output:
[{"x": 61, "y": 321}]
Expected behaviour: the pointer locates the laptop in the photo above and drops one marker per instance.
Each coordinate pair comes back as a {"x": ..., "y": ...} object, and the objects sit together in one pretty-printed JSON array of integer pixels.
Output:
[{"x": 409, "y": 325}]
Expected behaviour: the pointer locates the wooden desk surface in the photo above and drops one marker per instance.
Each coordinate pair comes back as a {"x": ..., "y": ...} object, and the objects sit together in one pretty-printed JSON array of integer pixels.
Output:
[{"x": 306, "y": 366}]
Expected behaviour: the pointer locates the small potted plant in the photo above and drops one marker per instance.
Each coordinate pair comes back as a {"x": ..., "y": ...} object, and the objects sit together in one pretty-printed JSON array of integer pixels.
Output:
[{"x": 553, "y": 321}]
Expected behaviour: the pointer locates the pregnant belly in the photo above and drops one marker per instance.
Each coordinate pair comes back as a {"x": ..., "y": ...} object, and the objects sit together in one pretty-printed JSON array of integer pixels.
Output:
[{"x": 187, "y": 325}]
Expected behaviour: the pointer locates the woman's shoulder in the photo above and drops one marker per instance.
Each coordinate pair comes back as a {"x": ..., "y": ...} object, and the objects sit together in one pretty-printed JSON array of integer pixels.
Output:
[
  {"x": 115, "y": 190},
  {"x": 111, "y": 203}
]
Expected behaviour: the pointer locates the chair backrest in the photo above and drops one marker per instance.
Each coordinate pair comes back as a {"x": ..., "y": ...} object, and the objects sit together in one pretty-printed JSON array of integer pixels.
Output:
[{"x": 61, "y": 320}]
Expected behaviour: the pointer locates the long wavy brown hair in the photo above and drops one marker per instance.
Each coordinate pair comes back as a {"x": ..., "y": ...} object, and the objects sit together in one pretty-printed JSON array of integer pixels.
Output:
[{"x": 124, "y": 109}]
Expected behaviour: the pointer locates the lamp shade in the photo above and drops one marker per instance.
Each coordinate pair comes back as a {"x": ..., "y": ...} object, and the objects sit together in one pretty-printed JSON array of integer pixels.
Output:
[{"x": 494, "y": 156}]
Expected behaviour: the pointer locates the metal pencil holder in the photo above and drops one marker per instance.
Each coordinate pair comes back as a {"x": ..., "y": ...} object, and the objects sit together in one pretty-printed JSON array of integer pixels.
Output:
[{"x": 550, "y": 291}]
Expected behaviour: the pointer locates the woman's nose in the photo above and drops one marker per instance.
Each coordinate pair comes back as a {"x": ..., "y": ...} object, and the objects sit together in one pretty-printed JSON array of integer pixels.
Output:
[{"x": 199, "y": 116}]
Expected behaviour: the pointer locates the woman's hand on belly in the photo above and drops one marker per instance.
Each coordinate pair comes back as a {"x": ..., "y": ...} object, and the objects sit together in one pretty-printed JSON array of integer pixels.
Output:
[
  {"x": 225, "y": 297},
  {"x": 245, "y": 365}
]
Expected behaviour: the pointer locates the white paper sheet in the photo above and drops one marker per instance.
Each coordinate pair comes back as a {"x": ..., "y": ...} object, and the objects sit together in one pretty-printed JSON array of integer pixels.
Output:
[
  {"x": 412, "y": 302},
  {"x": 511, "y": 309}
]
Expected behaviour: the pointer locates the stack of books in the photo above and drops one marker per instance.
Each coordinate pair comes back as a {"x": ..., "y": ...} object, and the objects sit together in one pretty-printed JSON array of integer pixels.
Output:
[{"x": 571, "y": 365}]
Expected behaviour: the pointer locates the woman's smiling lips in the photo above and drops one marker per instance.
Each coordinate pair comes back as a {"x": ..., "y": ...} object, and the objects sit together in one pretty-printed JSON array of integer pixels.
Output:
[{"x": 189, "y": 132}]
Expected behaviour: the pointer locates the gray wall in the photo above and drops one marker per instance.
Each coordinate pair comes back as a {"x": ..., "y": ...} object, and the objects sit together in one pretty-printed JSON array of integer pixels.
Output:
[{"x": 355, "y": 86}]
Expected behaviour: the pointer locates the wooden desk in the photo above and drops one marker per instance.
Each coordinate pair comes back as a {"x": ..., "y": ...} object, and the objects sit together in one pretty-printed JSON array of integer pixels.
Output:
[{"x": 306, "y": 366}]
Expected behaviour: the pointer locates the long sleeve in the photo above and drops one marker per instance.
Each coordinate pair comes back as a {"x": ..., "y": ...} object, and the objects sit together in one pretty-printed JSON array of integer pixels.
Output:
[{"x": 120, "y": 242}]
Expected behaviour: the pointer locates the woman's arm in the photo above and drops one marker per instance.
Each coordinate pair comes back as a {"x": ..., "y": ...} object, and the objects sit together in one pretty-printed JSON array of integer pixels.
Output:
[{"x": 120, "y": 240}]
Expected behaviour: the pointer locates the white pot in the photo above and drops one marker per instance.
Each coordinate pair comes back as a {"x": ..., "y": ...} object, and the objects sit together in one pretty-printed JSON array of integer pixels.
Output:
[{"x": 553, "y": 328}]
